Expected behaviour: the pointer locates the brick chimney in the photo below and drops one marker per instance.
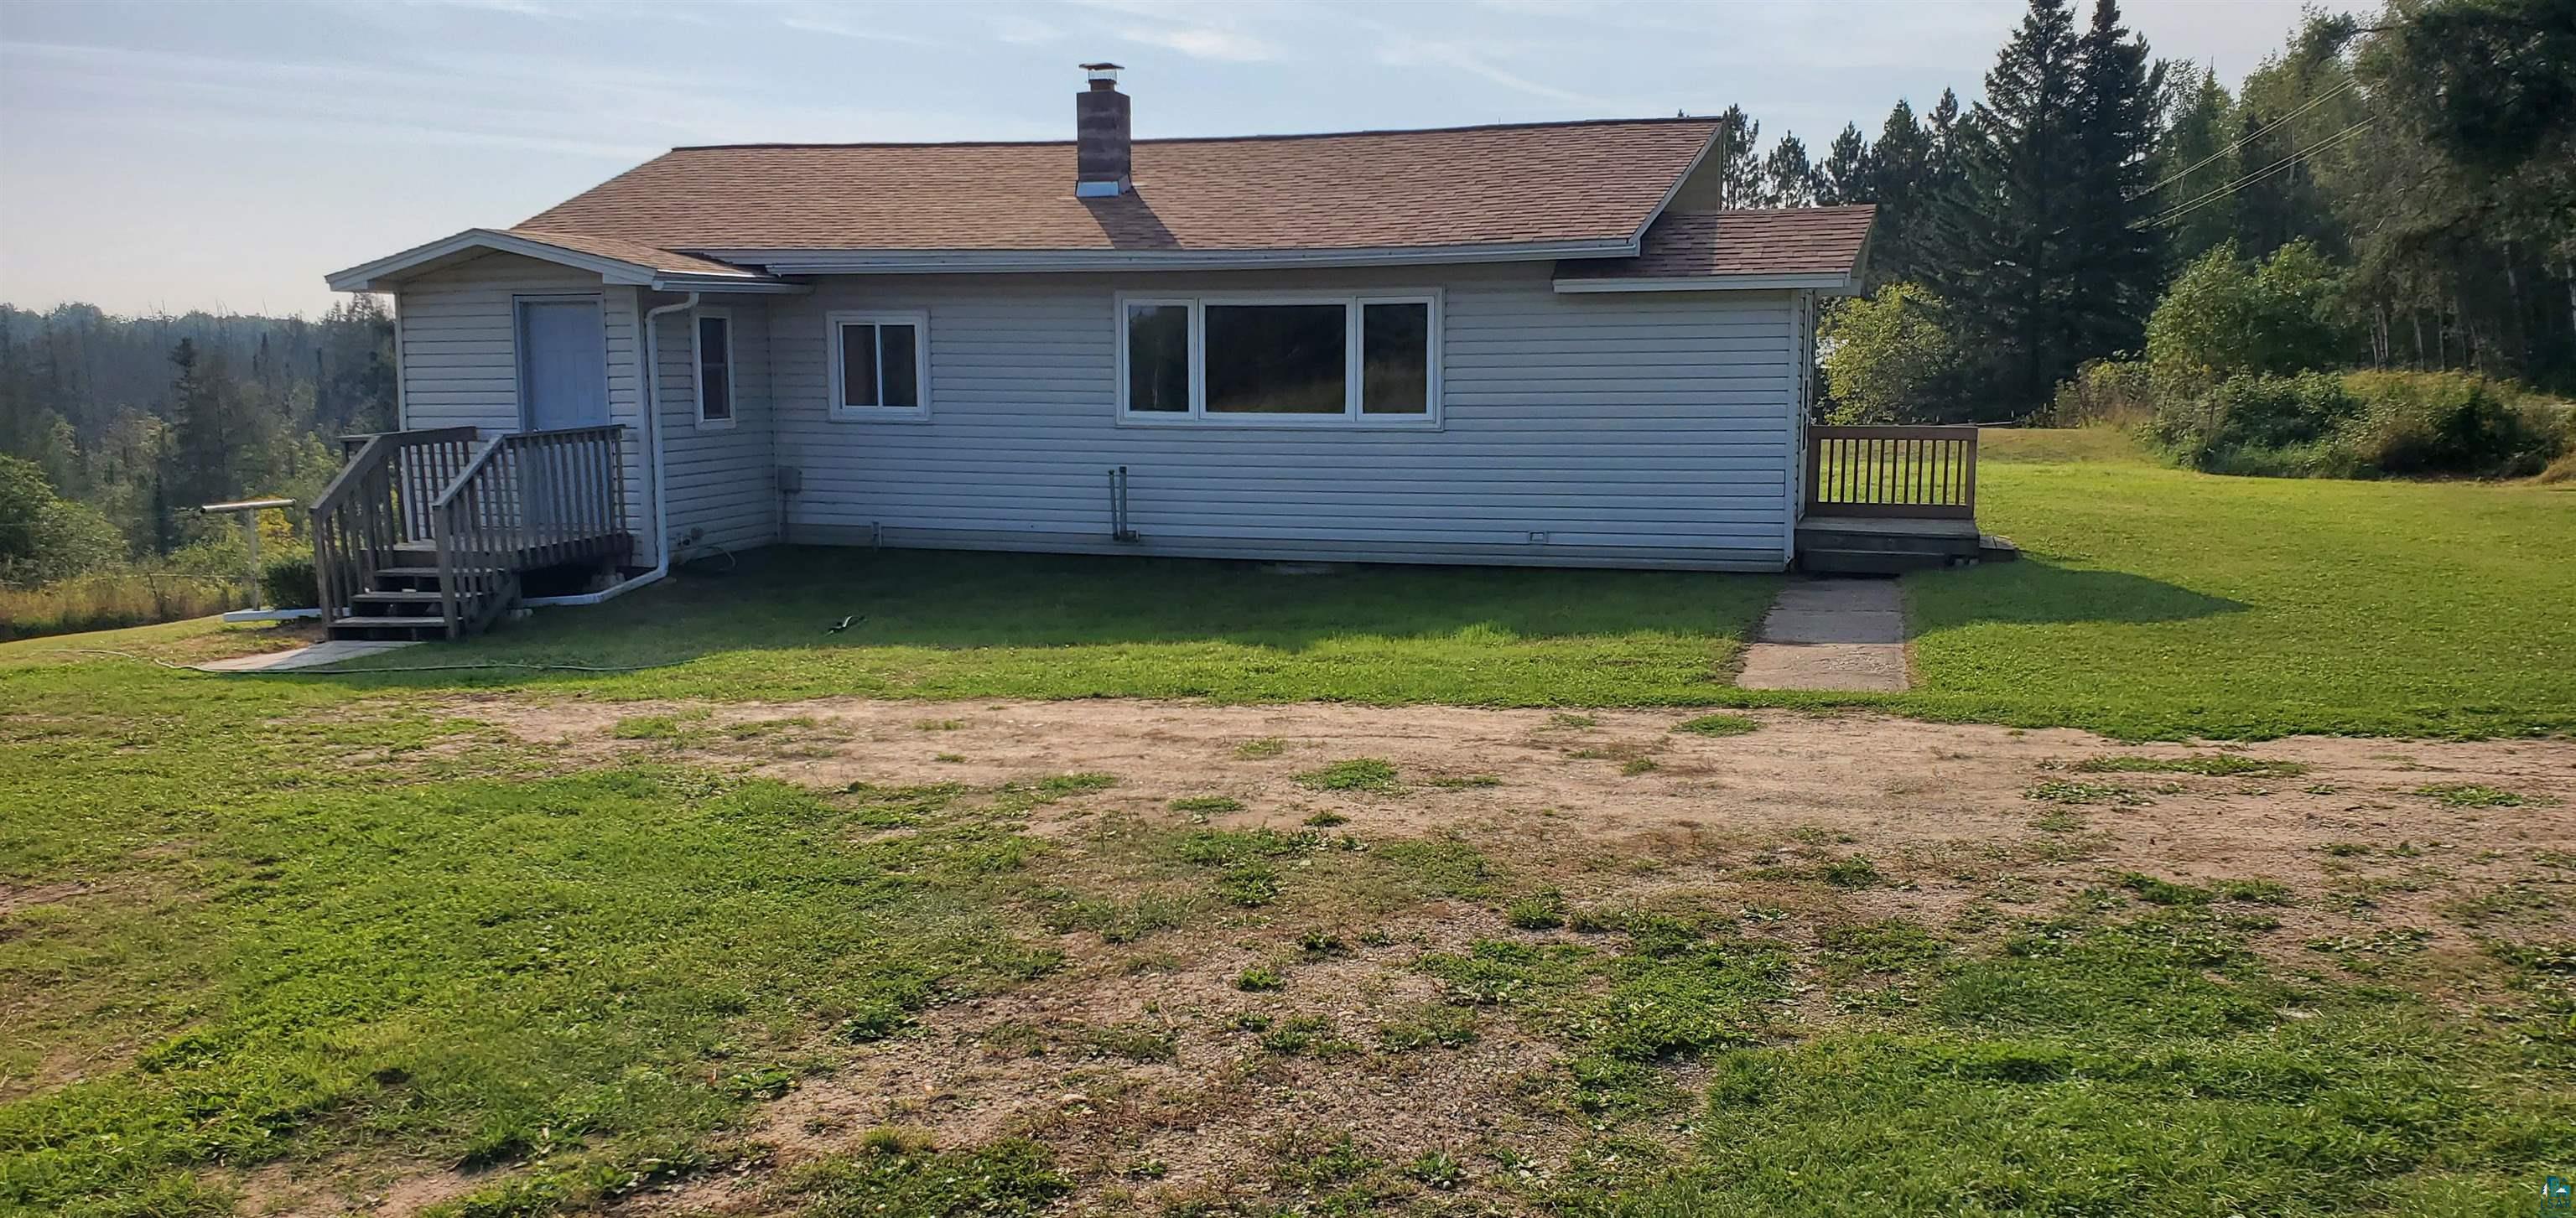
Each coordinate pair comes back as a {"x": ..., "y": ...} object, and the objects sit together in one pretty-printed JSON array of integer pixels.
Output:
[{"x": 1100, "y": 135}]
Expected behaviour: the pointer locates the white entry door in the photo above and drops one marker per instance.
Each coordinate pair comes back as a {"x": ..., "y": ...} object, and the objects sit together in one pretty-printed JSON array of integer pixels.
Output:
[{"x": 563, "y": 363}]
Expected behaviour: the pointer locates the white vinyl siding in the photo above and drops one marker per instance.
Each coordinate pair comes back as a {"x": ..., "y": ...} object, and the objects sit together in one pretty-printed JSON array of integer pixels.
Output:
[
  {"x": 1647, "y": 429},
  {"x": 459, "y": 357},
  {"x": 721, "y": 478}
]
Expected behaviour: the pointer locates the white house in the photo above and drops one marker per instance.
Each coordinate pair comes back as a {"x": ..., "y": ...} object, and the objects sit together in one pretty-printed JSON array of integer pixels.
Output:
[{"x": 1520, "y": 344}]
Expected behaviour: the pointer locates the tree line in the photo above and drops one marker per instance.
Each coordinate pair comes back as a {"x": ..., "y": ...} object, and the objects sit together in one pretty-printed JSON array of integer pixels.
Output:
[
  {"x": 130, "y": 423},
  {"x": 2427, "y": 155}
]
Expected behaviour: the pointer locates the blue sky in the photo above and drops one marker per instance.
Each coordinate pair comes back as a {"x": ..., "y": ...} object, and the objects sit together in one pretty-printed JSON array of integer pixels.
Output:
[{"x": 226, "y": 155}]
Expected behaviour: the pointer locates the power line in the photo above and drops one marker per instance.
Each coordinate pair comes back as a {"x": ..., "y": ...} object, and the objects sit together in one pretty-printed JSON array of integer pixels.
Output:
[
  {"x": 2251, "y": 136},
  {"x": 2180, "y": 210}
]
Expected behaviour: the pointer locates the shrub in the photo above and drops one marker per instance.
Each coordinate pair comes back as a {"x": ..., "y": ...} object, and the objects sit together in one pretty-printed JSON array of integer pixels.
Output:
[
  {"x": 47, "y": 537},
  {"x": 2447, "y": 423},
  {"x": 2226, "y": 318},
  {"x": 2255, "y": 424},
  {"x": 1891, "y": 357},
  {"x": 2102, "y": 391},
  {"x": 286, "y": 581}
]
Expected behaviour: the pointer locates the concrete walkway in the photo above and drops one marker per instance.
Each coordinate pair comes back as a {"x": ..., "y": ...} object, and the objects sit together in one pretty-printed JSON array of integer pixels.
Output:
[
  {"x": 1833, "y": 634},
  {"x": 315, "y": 656}
]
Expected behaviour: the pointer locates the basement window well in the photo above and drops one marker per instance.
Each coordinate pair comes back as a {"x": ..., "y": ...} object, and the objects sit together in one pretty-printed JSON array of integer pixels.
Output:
[{"x": 1280, "y": 360}]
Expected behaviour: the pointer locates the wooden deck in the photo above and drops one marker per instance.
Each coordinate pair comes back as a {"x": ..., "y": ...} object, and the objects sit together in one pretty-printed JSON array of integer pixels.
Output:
[
  {"x": 426, "y": 534},
  {"x": 1886, "y": 500}
]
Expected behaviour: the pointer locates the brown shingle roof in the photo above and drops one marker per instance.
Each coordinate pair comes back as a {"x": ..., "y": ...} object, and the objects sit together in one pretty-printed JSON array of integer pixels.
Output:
[
  {"x": 632, "y": 251},
  {"x": 1749, "y": 241},
  {"x": 1503, "y": 185}
]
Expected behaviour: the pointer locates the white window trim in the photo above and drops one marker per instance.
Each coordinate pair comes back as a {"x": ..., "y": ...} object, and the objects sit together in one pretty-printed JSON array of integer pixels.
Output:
[
  {"x": 1431, "y": 419},
  {"x": 698, "y": 369},
  {"x": 919, "y": 320}
]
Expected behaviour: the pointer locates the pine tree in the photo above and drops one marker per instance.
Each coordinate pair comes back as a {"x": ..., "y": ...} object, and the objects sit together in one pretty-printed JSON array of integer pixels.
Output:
[
  {"x": 1845, "y": 177},
  {"x": 1901, "y": 182},
  {"x": 2115, "y": 257},
  {"x": 1787, "y": 179},
  {"x": 1738, "y": 167},
  {"x": 2008, "y": 221}
]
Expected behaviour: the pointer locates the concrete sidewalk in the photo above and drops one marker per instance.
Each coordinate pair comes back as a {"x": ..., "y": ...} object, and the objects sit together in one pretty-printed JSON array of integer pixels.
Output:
[
  {"x": 315, "y": 656},
  {"x": 1831, "y": 634}
]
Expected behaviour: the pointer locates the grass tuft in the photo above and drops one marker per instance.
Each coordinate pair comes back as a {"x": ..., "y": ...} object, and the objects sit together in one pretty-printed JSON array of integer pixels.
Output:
[
  {"x": 1719, "y": 725},
  {"x": 1354, "y": 774}
]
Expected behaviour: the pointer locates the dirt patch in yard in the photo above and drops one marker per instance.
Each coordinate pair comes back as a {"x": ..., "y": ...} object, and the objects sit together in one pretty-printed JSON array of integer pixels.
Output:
[{"x": 1157, "y": 1080}]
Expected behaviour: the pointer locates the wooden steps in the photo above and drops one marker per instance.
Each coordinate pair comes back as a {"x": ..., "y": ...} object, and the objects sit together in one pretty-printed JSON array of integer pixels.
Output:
[{"x": 1836, "y": 545}]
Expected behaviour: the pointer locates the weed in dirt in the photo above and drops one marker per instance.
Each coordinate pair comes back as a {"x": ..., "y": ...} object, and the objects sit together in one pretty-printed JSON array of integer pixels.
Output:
[
  {"x": 1120, "y": 920},
  {"x": 1011, "y": 1178},
  {"x": 1224, "y": 847},
  {"x": 937, "y": 725},
  {"x": 1639, "y": 765},
  {"x": 2513, "y": 902},
  {"x": 1855, "y": 871},
  {"x": 1719, "y": 725},
  {"x": 1436, "y": 1169},
  {"x": 1538, "y": 911},
  {"x": 2216, "y": 765},
  {"x": 878, "y": 807},
  {"x": 2162, "y": 892},
  {"x": 1890, "y": 945},
  {"x": 1261, "y": 749},
  {"x": 1327, "y": 819},
  {"x": 1562, "y": 719},
  {"x": 2345, "y": 850},
  {"x": 2371, "y": 954},
  {"x": 1206, "y": 805},
  {"x": 1251, "y": 884},
  {"x": 949, "y": 758},
  {"x": 1599, "y": 919},
  {"x": 2256, "y": 892},
  {"x": 1306, "y": 1034},
  {"x": 1259, "y": 978},
  {"x": 2060, "y": 820},
  {"x": 2471, "y": 795},
  {"x": 2064, "y": 791},
  {"x": 1441, "y": 866},
  {"x": 1427, "y": 1025},
  {"x": 654, "y": 727},
  {"x": 1318, "y": 944},
  {"x": 1464, "y": 782},
  {"x": 1353, "y": 774}
]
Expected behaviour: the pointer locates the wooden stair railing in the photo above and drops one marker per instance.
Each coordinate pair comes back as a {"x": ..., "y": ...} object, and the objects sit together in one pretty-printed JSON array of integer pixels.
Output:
[
  {"x": 379, "y": 500},
  {"x": 1919, "y": 472},
  {"x": 528, "y": 500}
]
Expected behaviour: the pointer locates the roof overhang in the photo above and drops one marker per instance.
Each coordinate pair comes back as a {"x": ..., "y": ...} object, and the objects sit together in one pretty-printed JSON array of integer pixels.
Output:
[
  {"x": 385, "y": 273},
  {"x": 1825, "y": 282},
  {"x": 964, "y": 262}
]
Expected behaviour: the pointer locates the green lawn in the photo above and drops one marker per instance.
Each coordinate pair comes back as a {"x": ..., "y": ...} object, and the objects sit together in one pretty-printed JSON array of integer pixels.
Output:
[
  {"x": 335, "y": 923},
  {"x": 2156, "y": 602},
  {"x": 2150, "y": 602}
]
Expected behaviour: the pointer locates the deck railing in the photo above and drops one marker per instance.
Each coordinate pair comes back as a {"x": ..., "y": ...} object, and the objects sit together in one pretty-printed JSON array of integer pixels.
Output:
[
  {"x": 380, "y": 500},
  {"x": 528, "y": 500},
  {"x": 1923, "y": 472}
]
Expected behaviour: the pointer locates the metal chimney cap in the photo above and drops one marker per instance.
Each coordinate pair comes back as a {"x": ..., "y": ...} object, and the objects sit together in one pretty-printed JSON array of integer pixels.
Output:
[{"x": 1101, "y": 71}]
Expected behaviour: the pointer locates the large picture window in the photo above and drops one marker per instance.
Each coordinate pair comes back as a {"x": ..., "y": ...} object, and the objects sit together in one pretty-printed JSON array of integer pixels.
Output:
[
  {"x": 879, "y": 364},
  {"x": 1280, "y": 359}
]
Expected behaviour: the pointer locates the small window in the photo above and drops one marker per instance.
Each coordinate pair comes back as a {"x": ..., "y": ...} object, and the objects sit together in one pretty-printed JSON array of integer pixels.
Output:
[
  {"x": 877, "y": 363},
  {"x": 1158, "y": 356},
  {"x": 715, "y": 369},
  {"x": 1281, "y": 359},
  {"x": 1395, "y": 357}
]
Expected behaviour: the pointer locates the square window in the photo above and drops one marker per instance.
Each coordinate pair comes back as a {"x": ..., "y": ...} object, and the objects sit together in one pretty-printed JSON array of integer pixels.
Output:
[{"x": 877, "y": 365}]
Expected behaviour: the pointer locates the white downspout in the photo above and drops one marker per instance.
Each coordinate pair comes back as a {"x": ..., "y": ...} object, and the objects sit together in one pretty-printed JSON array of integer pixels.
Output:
[{"x": 661, "y": 501}]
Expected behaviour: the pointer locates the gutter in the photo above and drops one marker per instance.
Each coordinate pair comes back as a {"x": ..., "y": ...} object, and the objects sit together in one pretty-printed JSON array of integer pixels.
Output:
[{"x": 661, "y": 501}]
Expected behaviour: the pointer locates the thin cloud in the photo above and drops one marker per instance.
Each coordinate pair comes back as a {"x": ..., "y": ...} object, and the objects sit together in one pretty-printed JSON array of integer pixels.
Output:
[
  {"x": 1204, "y": 42},
  {"x": 1024, "y": 31},
  {"x": 821, "y": 25}
]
